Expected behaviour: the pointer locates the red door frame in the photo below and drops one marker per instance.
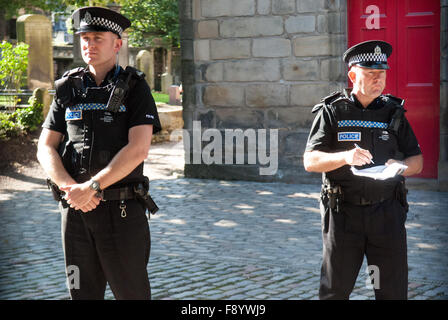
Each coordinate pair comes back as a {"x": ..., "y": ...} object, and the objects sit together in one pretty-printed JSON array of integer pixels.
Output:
[{"x": 412, "y": 27}]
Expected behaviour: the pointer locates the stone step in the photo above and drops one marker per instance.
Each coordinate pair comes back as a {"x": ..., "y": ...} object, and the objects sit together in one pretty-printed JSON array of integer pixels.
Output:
[{"x": 170, "y": 119}]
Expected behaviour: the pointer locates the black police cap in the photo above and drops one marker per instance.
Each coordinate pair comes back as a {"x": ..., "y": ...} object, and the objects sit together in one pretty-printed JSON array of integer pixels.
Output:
[
  {"x": 98, "y": 19},
  {"x": 371, "y": 54}
]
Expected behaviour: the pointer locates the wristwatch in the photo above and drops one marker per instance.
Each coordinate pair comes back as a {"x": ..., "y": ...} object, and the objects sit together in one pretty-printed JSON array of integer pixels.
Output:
[{"x": 95, "y": 185}]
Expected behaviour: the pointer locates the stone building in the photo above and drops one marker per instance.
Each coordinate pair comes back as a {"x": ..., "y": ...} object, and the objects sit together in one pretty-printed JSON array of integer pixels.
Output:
[{"x": 263, "y": 64}]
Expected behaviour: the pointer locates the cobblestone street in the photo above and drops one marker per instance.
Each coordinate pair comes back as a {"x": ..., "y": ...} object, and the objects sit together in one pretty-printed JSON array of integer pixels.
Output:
[{"x": 218, "y": 240}]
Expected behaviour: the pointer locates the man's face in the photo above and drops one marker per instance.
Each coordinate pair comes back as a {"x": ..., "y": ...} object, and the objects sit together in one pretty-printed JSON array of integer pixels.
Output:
[
  {"x": 99, "y": 48},
  {"x": 368, "y": 82}
]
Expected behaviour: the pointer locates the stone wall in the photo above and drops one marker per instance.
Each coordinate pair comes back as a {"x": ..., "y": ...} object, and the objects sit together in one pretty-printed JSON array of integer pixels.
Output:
[
  {"x": 260, "y": 64},
  {"x": 443, "y": 159}
]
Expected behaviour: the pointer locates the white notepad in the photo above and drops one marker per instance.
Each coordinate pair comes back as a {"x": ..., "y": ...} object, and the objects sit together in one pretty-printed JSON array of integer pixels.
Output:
[{"x": 380, "y": 172}]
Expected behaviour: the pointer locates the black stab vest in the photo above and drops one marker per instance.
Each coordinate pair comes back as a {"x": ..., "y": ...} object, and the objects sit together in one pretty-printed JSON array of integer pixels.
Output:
[
  {"x": 94, "y": 135},
  {"x": 371, "y": 130}
]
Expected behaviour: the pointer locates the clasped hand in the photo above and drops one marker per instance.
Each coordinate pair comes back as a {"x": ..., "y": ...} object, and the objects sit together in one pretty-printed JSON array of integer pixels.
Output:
[{"x": 81, "y": 196}]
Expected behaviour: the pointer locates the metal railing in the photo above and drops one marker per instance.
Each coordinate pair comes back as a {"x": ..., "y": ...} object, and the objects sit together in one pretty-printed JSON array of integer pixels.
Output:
[{"x": 7, "y": 99}]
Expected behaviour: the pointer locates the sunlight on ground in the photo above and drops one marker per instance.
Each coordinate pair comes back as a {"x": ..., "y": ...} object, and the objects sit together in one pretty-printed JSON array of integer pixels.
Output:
[
  {"x": 423, "y": 204},
  {"x": 176, "y": 221},
  {"x": 285, "y": 221},
  {"x": 225, "y": 223},
  {"x": 427, "y": 246},
  {"x": 263, "y": 193},
  {"x": 311, "y": 195},
  {"x": 175, "y": 196},
  {"x": 244, "y": 206},
  {"x": 413, "y": 225},
  {"x": 311, "y": 209}
]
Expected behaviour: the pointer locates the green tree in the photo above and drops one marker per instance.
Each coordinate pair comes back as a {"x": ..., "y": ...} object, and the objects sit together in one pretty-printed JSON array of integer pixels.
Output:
[
  {"x": 13, "y": 64},
  {"x": 9, "y": 8},
  {"x": 90, "y": 3},
  {"x": 152, "y": 19}
]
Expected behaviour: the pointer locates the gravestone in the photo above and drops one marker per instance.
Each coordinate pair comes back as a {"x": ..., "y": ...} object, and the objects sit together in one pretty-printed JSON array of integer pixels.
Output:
[
  {"x": 174, "y": 93},
  {"x": 167, "y": 81},
  {"x": 42, "y": 96},
  {"x": 145, "y": 63},
  {"x": 167, "y": 77},
  {"x": 35, "y": 30},
  {"x": 123, "y": 54},
  {"x": 77, "y": 57}
]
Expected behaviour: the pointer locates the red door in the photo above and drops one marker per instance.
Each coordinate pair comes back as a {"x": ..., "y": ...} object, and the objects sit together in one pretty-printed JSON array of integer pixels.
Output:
[{"x": 412, "y": 27}]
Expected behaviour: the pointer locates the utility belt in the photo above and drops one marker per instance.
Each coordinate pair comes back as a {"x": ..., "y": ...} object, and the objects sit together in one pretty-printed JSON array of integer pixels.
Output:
[
  {"x": 362, "y": 201},
  {"x": 139, "y": 191},
  {"x": 335, "y": 196}
]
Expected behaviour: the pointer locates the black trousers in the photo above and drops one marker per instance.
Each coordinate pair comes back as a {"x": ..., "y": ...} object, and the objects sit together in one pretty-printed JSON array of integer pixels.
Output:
[
  {"x": 107, "y": 248},
  {"x": 376, "y": 231}
]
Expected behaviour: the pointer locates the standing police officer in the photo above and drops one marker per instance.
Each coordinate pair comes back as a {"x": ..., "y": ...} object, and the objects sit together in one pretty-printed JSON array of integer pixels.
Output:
[
  {"x": 360, "y": 215},
  {"x": 95, "y": 139}
]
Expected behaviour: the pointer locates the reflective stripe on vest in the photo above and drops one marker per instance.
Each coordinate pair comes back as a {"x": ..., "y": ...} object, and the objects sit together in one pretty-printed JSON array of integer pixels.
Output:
[
  {"x": 363, "y": 124},
  {"x": 93, "y": 106}
]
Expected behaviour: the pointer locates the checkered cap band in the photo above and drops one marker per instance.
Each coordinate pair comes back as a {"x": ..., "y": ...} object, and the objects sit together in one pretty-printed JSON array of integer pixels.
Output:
[
  {"x": 102, "y": 22},
  {"x": 367, "y": 57}
]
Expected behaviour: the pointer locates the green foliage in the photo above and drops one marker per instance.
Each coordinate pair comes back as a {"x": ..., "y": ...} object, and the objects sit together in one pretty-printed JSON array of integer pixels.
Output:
[
  {"x": 31, "y": 117},
  {"x": 152, "y": 19},
  {"x": 8, "y": 128},
  {"x": 160, "y": 97},
  {"x": 10, "y": 8},
  {"x": 23, "y": 120},
  {"x": 90, "y": 3},
  {"x": 13, "y": 64}
]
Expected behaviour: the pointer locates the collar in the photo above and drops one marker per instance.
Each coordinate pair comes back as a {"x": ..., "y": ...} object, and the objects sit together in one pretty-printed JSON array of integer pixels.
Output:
[
  {"x": 347, "y": 92},
  {"x": 376, "y": 104},
  {"x": 111, "y": 76}
]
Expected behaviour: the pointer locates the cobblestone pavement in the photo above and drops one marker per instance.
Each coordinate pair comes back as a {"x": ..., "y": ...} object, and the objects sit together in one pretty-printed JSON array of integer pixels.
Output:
[{"x": 218, "y": 240}]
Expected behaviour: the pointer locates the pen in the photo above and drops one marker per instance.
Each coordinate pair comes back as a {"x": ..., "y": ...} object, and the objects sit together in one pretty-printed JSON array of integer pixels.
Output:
[{"x": 360, "y": 148}]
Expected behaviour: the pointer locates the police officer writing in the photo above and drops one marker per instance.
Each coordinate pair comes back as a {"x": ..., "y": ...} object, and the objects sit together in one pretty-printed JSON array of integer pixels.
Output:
[
  {"x": 93, "y": 143},
  {"x": 362, "y": 216}
]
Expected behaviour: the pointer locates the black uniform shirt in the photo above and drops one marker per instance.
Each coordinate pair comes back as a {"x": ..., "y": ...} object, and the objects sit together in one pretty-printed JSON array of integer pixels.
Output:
[
  {"x": 139, "y": 103},
  {"x": 325, "y": 123},
  {"x": 93, "y": 135}
]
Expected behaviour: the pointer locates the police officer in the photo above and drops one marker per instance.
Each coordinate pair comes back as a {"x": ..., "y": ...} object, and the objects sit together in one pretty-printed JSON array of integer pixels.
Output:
[
  {"x": 93, "y": 143},
  {"x": 363, "y": 216}
]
